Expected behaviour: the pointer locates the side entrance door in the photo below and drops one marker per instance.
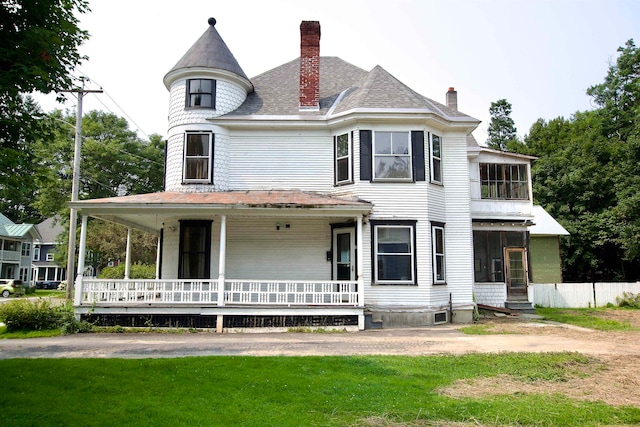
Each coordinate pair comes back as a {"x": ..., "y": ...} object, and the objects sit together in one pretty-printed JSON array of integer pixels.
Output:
[
  {"x": 516, "y": 273},
  {"x": 344, "y": 249}
]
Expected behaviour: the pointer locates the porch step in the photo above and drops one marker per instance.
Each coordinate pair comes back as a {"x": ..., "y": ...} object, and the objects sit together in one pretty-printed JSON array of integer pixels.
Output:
[{"x": 521, "y": 306}]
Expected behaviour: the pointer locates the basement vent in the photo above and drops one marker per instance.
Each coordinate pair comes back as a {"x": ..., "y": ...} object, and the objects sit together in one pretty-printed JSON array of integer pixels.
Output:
[{"x": 440, "y": 318}]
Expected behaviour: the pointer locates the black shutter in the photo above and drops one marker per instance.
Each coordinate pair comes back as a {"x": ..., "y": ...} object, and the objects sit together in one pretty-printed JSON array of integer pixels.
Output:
[
  {"x": 417, "y": 149},
  {"x": 365, "y": 155}
]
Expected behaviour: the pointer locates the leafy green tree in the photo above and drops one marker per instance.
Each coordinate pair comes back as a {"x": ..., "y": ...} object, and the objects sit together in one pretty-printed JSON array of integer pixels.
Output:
[
  {"x": 502, "y": 129},
  {"x": 39, "y": 50}
]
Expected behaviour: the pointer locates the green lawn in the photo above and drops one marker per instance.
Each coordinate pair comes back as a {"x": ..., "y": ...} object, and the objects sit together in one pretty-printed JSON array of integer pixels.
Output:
[
  {"x": 289, "y": 391},
  {"x": 584, "y": 317}
]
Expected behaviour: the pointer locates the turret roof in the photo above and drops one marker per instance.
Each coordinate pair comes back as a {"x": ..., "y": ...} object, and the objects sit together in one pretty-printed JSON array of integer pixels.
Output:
[{"x": 210, "y": 51}]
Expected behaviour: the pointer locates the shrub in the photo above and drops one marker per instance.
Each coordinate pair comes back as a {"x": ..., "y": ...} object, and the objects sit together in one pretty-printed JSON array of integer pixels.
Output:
[
  {"x": 40, "y": 314},
  {"x": 628, "y": 299},
  {"x": 138, "y": 271}
]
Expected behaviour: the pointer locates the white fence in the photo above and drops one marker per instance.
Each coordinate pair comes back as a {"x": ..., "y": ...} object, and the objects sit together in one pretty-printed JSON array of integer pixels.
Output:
[{"x": 580, "y": 295}]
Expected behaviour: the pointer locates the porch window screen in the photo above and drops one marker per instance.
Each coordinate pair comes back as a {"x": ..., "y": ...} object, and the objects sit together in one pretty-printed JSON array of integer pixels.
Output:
[
  {"x": 394, "y": 254},
  {"x": 488, "y": 249},
  {"x": 195, "y": 249},
  {"x": 504, "y": 181}
]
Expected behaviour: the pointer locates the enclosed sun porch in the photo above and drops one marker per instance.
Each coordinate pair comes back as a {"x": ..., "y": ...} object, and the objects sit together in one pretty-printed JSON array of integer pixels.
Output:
[{"x": 234, "y": 259}]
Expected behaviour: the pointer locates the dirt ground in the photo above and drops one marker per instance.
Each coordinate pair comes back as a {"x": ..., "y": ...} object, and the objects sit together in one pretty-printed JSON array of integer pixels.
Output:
[{"x": 612, "y": 379}]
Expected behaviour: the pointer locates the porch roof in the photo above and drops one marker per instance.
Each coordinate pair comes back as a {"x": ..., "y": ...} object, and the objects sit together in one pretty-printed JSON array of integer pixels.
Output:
[{"x": 147, "y": 211}]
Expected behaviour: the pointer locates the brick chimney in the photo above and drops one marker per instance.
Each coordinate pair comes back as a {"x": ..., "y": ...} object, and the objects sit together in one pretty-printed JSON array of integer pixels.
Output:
[
  {"x": 452, "y": 99},
  {"x": 310, "y": 65}
]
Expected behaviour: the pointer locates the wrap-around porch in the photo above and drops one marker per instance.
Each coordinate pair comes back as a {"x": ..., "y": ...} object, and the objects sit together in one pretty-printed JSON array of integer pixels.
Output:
[{"x": 281, "y": 292}]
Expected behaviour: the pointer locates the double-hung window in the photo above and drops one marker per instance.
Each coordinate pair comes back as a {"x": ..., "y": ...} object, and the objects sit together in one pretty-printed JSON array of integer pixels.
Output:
[
  {"x": 437, "y": 237},
  {"x": 392, "y": 156},
  {"x": 343, "y": 155},
  {"x": 201, "y": 93},
  {"x": 504, "y": 181},
  {"x": 394, "y": 252},
  {"x": 436, "y": 158},
  {"x": 26, "y": 249},
  {"x": 50, "y": 256},
  {"x": 198, "y": 157},
  {"x": 36, "y": 254}
]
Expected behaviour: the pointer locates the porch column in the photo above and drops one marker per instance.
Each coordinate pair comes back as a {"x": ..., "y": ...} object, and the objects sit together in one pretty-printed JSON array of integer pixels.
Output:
[
  {"x": 158, "y": 252},
  {"x": 127, "y": 257},
  {"x": 81, "y": 256},
  {"x": 359, "y": 270},
  {"x": 222, "y": 269}
]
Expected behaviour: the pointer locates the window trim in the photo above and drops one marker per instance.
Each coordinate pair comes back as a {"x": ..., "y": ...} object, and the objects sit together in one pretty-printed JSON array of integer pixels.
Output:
[
  {"x": 349, "y": 158},
  {"x": 375, "y": 225},
  {"x": 409, "y": 155},
  {"x": 506, "y": 184},
  {"x": 188, "y": 94},
  {"x": 36, "y": 253},
  {"x": 433, "y": 159},
  {"x": 26, "y": 249},
  {"x": 435, "y": 228},
  {"x": 50, "y": 257},
  {"x": 209, "y": 178}
]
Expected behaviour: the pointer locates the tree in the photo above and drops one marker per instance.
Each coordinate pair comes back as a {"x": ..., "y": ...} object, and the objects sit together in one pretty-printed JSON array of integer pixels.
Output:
[
  {"x": 502, "y": 129},
  {"x": 114, "y": 161},
  {"x": 39, "y": 50}
]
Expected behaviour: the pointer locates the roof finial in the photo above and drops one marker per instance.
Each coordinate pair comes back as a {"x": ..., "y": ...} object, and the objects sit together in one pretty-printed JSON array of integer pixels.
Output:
[{"x": 212, "y": 22}]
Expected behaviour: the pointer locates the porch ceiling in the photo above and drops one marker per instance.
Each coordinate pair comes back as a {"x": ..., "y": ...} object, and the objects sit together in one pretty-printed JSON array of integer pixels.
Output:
[{"x": 149, "y": 211}]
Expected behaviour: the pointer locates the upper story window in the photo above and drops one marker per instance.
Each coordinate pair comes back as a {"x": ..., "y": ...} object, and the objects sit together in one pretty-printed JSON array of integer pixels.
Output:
[
  {"x": 504, "y": 181},
  {"x": 391, "y": 156},
  {"x": 343, "y": 164},
  {"x": 26, "y": 249},
  {"x": 201, "y": 93},
  {"x": 36, "y": 254},
  {"x": 394, "y": 252},
  {"x": 198, "y": 157},
  {"x": 436, "y": 158},
  {"x": 50, "y": 256}
]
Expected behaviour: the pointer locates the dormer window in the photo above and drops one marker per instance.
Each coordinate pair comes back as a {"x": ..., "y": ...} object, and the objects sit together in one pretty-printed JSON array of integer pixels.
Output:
[
  {"x": 198, "y": 157},
  {"x": 201, "y": 93}
]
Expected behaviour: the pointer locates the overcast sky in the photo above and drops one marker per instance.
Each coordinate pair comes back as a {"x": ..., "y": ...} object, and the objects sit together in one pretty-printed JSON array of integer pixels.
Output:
[{"x": 539, "y": 55}]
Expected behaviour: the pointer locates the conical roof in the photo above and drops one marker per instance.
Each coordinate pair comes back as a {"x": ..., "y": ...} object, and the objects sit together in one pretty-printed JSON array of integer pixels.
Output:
[{"x": 210, "y": 51}]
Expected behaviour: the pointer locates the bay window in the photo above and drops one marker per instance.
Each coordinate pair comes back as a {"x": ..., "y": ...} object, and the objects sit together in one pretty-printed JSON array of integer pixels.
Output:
[{"x": 394, "y": 252}]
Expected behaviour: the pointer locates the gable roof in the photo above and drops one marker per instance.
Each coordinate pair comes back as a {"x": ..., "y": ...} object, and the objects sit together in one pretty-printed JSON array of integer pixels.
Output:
[
  {"x": 5, "y": 220},
  {"x": 49, "y": 229},
  {"x": 209, "y": 51},
  {"x": 276, "y": 92},
  {"x": 18, "y": 231}
]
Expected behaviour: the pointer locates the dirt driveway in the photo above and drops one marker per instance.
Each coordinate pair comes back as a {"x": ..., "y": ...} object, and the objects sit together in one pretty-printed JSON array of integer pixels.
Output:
[{"x": 613, "y": 376}]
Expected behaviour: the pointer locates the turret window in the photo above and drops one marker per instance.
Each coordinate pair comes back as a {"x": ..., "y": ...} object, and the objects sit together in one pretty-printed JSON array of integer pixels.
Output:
[
  {"x": 201, "y": 93},
  {"x": 198, "y": 157}
]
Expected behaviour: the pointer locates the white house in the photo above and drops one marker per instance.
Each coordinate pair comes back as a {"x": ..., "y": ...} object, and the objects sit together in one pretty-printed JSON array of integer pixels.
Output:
[{"x": 316, "y": 193}]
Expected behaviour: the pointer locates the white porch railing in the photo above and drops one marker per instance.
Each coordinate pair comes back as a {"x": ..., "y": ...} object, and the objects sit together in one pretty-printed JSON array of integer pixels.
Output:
[{"x": 236, "y": 292}]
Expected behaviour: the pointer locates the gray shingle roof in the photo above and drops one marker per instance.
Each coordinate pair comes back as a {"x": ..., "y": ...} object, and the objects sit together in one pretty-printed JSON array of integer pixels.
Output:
[
  {"x": 49, "y": 229},
  {"x": 210, "y": 51},
  {"x": 277, "y": 92}
]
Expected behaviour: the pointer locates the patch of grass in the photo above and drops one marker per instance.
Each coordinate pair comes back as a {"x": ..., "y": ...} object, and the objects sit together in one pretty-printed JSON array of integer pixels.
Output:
[
  {"x": 49, "y": 293},
  {"x": 476, "y": 330},
  {"x": 28, "y": 334},
  {"x": 290, "y": 391},
  {"x": 585, "y": 317}
]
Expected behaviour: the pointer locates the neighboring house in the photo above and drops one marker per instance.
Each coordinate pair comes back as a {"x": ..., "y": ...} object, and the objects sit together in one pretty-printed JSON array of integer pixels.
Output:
[
  {"x": 317, "y": 193},
  {"x": 16, "y": 248},
  {"x": 47, "y": 272}
]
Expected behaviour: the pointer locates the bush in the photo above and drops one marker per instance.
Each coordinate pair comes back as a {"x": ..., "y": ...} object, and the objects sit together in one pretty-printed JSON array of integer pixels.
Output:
[
  {"x": 138, "y": 271},
  {"x": 41, "y": 314},
  {"x": 628, "y": 299}
]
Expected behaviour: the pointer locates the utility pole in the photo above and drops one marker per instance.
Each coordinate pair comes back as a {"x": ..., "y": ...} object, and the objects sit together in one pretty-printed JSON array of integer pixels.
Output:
[{"x": 75, "y": 184}]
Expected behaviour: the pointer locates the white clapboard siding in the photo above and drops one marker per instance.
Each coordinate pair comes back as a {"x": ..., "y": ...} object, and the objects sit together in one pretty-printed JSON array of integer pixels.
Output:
[
  {"x": 256, "y": 250},
  {"x": 290, "y": 160}
]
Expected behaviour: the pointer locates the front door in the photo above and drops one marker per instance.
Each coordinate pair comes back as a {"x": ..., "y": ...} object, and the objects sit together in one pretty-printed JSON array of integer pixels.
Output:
[
  {"x": 516, "y": 273},
  {"x": 344, "y": 249}
]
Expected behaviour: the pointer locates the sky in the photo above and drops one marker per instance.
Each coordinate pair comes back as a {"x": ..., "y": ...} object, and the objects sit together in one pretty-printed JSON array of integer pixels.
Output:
[{"x": 540, "y": 55}]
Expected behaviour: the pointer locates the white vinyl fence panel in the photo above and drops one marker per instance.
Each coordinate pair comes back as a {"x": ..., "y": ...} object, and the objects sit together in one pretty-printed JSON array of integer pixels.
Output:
[{"x": 580, "y": 295}]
